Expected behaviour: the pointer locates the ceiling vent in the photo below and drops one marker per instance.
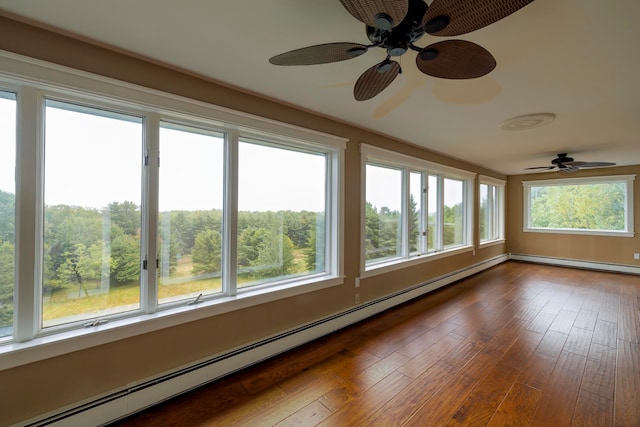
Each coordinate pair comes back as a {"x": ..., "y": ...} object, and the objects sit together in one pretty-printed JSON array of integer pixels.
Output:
[{"x": 528, "y": 121}]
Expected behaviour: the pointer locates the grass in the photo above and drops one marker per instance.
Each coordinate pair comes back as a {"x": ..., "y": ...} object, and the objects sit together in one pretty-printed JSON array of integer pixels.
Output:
[{"x": 70, "y": 304}]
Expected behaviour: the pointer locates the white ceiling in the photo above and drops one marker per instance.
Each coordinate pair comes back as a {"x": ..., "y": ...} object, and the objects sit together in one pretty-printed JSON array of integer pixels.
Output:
[{"x": 576, "y": 59}]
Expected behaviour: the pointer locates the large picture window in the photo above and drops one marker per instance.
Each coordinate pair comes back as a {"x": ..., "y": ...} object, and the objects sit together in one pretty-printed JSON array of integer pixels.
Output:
[
  {"x": 155, "y": 210},
  {"x": 7, "y": 209},
  {"x": 594, "y": 205},
  {"x": 412, "y": 208}
]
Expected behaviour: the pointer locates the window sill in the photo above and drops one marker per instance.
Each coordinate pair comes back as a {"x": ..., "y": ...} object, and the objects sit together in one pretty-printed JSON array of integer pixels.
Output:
[
  {"x": 13, "y": 354},
  {"x": 488, "y": 243},
  {"x": 583, "y": 232},
  {"x": 398, "y": 264}
]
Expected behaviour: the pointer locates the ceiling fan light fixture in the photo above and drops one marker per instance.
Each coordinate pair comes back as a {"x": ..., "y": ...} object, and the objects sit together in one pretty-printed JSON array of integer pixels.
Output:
[
  {"x": 436, "y": 24},
  {"x": 428, "y": 54},
  {"x": 383, "y": 21},
  {"x": 528, "y": 121},
  {"x": 357, "y": 51},
  {"x": 384, "y": 66}
]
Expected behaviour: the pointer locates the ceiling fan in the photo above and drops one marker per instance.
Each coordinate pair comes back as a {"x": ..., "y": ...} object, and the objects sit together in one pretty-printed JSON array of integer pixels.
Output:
[
  {"x": 566, "y": 164},
  {"x": 394, "y": 25}
]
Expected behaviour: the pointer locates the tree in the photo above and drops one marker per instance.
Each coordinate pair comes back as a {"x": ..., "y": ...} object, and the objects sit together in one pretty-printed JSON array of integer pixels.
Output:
[
  {"x": 6, "y": 283},
  {"x": 80, "y": 266},
  {"x": 126, "y": 216},
  {"x": 372, "y": 230},
  {"x": 414, "y": 225},
  {"x": 125, "y": 257},
  {"x": 207, "y": 252}
]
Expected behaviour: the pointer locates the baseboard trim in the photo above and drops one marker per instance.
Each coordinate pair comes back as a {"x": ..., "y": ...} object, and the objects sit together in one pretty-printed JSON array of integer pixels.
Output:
[
  {"x": 566, "y": 262},
  {"x": 141, "y": 395}
]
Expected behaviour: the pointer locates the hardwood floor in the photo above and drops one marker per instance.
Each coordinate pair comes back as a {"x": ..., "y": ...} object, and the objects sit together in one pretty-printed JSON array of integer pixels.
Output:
[{"x": 517, "y": 345}]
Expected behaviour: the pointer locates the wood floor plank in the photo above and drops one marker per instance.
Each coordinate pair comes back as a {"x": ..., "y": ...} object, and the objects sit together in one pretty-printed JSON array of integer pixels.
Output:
[
  {"x": 518, "y": 407},
  {"x": 600, "y": 371},
  {"x": 606, "y": 333},
  {"x": 586, "y": 319},
  {"x": 310, "y": 415},
  {"x": 360, "y": 408},
  {"x": 579, "y": 341},
  {"x": 627, "y": 394},
  {"x": 518, "y": 344},
  {"x": 486, "y": 397},
  {"x": 560, "y": 394},
  {"x": 440, "y": 408},
  {"x": 417, "y": 365},
  {"x": 397, "y": 410},
  {"x": 592, "y": 411}
]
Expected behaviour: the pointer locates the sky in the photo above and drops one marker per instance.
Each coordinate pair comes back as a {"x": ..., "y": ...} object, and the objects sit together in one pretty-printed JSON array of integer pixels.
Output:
[{"x": 7, "y": 145}]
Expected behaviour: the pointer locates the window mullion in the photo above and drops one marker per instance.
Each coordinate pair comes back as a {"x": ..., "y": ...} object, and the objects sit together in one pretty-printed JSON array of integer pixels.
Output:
[
  {"x": 149, "y": 277},
  {"x": 29, "y": 219},
  {"x": 439, "y": 232},
  {"x": 230, "y": 218},
  {"x": 404, "y": 214}
]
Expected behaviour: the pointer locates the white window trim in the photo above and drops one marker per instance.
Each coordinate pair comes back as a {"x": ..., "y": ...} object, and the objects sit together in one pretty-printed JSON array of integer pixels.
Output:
[
  {"x": 501, "y": 206},
  {"x": 372, "y": 154},
  {"x": 629, "y": 215},
  {"x": 31, "y": 80}
]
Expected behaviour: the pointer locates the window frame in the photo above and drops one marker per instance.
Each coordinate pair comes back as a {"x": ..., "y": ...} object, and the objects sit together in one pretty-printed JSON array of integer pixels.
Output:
[
  {"x": 382, "y": 157},
  {"x": 497, "y": 210},
  {"x": 628, "y": 180},
  {"x": 34, "y": 81}
]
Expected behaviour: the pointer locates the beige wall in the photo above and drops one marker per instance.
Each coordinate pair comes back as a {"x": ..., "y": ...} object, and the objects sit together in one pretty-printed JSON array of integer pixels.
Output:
[
  {"x": 29, "y": 390},
  {"x": 615, "y": 250}
]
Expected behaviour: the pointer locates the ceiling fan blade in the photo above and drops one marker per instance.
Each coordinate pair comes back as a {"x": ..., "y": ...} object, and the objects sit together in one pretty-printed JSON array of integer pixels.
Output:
[
  {"x": 382, "y": 14},
  {"x": 320, "y": 54},
  {"x": 541, "y": 167},
  {"x": 573, "y": 163},
  {"x": 455, "y": 59},
  {"x": 455, "y": 17},
  {"x": 375, "y": 80},
  {"x": 596, "y": 164}
]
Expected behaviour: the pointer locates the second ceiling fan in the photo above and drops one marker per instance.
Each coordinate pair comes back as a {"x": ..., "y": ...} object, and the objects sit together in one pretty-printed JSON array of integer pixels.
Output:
[{"x": 394, "y": 25}]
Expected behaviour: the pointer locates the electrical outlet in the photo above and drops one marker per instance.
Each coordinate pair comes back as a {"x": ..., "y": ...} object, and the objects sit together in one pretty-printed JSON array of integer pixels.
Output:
[
  {"x": 357, "y": 298},
  {"x": 636, "y": 256}
]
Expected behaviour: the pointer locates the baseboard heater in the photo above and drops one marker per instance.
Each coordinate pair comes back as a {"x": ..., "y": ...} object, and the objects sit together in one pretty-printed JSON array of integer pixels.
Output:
[
  {"x": 574, "y": 263},
  {"x": 135, "y": 397}
]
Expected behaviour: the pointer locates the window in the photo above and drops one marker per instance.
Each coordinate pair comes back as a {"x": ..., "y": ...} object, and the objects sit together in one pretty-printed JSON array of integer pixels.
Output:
[
  {"x": 7, "y": 209},
  {"x": 281, "y": 213},
  {"x": 92, "y": 196},
  {"x": 154, "y": 205},
  {"x": 190, "y": 218},
  {"x": 595, "y": 205},
  {"x": 383, "y": 214},
  {"x": 412, "y": 208},
  {"x": 491, "y": 213}
]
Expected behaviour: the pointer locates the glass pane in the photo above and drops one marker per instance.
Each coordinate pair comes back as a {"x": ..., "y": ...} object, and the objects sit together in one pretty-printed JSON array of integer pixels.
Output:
[
  {"x": 453, "y": 231},
  {"x": 600, "y": 206},
  {"x": 484, "y": 217},
  {"x": 281, "y": 213},
  {"x": 382, "y": 216},
  {"x": 432, "y": 220},
  {"x": 91, "y": 213},
  {"x": 7, "y": 209},
  {"x": 191, "y": 184},
  {"x": 415, "y": 212}
]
